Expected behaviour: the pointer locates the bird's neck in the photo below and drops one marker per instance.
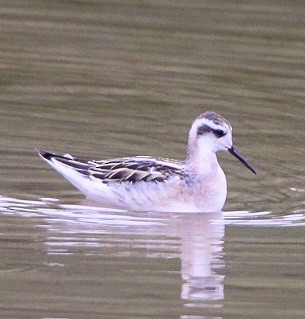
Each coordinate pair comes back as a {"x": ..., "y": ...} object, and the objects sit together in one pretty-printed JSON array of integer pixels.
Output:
[{"x": 202, "y": 161}]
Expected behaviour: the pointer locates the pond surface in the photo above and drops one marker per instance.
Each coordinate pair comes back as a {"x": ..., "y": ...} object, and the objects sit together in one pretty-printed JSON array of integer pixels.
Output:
[{"x": 110, "y": 79}]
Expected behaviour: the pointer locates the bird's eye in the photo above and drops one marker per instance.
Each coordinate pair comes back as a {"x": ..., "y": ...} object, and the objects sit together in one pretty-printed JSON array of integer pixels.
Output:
[{"x": 219, "y": 133}]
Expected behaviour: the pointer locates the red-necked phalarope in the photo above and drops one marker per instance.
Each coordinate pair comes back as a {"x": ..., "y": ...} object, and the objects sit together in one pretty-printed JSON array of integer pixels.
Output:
[{"x": 197, "y": 184}]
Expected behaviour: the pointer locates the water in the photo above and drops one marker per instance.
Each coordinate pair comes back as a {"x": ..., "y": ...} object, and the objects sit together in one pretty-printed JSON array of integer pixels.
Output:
[{"x": 107, "y": 79}]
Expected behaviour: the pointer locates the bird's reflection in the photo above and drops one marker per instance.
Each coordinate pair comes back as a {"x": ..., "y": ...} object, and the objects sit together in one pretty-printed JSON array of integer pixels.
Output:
[
  {"x": 201, "y": 248},
  {"x": 196, "y": 238},
  {"x": 199, "y": 235}
]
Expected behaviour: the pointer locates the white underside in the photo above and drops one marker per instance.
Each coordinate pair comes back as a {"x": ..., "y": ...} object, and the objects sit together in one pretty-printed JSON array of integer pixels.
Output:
[{"x": 172, "y": 195}]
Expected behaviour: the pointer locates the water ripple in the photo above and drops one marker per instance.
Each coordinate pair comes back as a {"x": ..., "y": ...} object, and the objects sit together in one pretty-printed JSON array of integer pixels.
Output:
[{"x": 53, "y": 210}]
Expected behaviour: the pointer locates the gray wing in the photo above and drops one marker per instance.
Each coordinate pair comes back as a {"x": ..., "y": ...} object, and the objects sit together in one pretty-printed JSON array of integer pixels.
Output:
[
  {"x": 136, "y": 169},
  {"x": 126, "y": 169}
]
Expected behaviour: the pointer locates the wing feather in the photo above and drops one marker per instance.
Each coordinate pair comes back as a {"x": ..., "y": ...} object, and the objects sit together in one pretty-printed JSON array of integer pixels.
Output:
[
  {"x": 126, "y": 169},
  {"x": 135, "y": 170}
]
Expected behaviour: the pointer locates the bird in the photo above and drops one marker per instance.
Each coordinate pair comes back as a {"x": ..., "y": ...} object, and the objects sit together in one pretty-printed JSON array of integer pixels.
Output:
[{"x": 145, "y": 183}]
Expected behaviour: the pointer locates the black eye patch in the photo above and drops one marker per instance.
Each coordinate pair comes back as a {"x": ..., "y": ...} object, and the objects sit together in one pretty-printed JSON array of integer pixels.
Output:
[
  {"x": 203, "y": 129},
  {"x": 206, "y": 129}
]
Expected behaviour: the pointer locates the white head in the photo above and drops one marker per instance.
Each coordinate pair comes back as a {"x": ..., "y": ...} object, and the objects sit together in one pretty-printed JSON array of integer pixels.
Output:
[{"x": 209, "y": 134}]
